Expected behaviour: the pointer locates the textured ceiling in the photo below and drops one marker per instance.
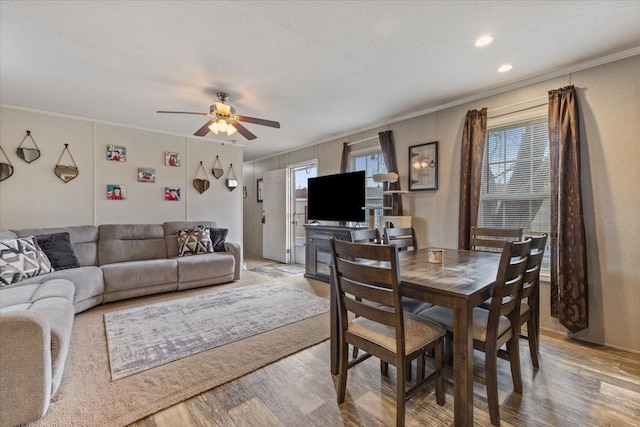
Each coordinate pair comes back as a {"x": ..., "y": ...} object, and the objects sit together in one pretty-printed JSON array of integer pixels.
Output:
[{"x": 322, "y": 69}]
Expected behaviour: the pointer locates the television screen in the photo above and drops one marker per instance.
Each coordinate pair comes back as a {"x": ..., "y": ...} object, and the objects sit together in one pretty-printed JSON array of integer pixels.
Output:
[{"x": 338, "y": 197}]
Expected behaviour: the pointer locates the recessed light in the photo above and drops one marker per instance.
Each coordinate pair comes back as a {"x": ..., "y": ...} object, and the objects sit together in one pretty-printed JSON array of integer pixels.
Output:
[
  {"x": 505, "y": 68},
  {"x": 483, "y": 41}
]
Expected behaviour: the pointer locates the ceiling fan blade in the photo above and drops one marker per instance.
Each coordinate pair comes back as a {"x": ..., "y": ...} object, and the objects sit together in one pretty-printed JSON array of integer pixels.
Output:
[
  {"x": 243, "y": 131},
  {"x": 204, "y": 129},
  {"x": 182, "y": 112},
  {"x": 262, "y": 122}
]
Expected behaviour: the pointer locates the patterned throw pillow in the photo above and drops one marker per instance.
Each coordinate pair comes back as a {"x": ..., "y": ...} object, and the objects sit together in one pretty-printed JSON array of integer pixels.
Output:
[
  {"x": 194, "y": 241},
  {"x": 20, "y": 259},
  {"x": 58, "y": 248}
]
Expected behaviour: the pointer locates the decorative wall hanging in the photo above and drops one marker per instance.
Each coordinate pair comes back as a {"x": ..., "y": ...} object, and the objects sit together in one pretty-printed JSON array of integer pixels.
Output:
[
  {"x": 259, "y": 190},
  {"x": 116, "y": 192},
  {"x": 66, "y": 173},
  {"x": 423, "y": 166},
  {"x": 28, "y": 154},
  {"x": 217, "y": 170},
  {"x": 172, "y": 194},
  {"x": 201, "y": 185},
  {"x": 146, "y": 175},
  {"x": 232, "y": 181},
  {"x": 6, "y": 169},
  {"x": 171, "y": 159},
  {"x": 116, "y": 153}
]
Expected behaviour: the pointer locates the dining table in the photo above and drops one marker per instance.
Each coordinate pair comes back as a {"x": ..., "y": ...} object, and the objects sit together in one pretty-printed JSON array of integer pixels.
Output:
[{"x": 461, "y": 281}]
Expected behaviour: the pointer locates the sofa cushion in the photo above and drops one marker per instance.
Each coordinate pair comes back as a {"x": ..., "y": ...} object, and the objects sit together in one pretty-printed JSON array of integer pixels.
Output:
[
  {"x": 84, "y": 240},
  {"x": 58, "y": 248},
  {"x": 139, "y": 274},
  {"x": 205, "y": 266},
  {"x": 20, "y": 259},
  {"x": 218, "y": 236},
  {"x": 194, "y": 241},
  {"x": 130, "y": 242}
]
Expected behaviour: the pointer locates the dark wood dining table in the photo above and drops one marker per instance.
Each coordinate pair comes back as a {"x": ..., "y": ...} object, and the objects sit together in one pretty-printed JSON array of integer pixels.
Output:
[{"x": 463, "y": 281}]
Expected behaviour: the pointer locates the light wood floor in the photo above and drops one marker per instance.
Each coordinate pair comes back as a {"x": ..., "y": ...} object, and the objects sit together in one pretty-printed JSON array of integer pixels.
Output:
[{"x": 577, "y": 385}]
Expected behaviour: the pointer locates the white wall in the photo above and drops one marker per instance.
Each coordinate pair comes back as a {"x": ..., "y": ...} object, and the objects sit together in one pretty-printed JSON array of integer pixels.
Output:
[
  {"x": 35, "y": 197},
  {"x": 609, "y": 97}
]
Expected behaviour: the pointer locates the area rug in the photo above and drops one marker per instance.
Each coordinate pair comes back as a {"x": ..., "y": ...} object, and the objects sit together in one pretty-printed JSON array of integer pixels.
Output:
[
  {"x": 144, "y": 337},
  {"x": 87, "y": 396},
  {"x": 277, "y": 270}
]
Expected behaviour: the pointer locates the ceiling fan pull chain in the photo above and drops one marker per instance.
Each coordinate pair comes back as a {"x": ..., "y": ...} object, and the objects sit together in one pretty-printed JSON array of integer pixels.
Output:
[
  {"x": 217, "y": 170},
  {"x": 28, "y": 154},
  {"x": 66, "y": 173},
  {"x": 232, "y": 183}
]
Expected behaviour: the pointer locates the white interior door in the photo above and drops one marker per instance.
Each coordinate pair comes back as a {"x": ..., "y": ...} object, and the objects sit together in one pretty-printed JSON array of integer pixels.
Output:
[{"x": 275, "y": 232}]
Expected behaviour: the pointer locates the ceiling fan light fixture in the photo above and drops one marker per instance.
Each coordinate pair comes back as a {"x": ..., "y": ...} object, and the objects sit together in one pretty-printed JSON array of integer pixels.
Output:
[
  {"x": 222, "y": 125},
  {"x": 231, "y": 129},
  {"x": 213, "y": 127}
]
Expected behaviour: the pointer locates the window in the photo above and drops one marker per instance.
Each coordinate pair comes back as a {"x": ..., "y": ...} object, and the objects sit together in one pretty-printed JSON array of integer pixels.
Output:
[
  {"x": 515, "y": 186},
  {"x": 372, "y": 162}
]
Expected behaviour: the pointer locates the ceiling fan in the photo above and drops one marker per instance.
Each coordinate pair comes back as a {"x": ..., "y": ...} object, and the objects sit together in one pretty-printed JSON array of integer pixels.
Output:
[{"x": 224, "y": 119}]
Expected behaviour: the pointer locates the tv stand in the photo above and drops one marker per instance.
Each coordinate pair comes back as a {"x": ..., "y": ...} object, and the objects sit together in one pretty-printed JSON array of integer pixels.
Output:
[{"x": 317, "y": 251}]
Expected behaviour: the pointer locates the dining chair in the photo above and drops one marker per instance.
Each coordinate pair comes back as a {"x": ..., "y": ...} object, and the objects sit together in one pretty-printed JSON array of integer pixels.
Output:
[
  {"x": 381, "y": 328},
  {"x": 492, "y": 239},
  {"x": 369, "y": 235},
  {"x": 497, "y": 326},
  {"x": 403, "y": 237}
]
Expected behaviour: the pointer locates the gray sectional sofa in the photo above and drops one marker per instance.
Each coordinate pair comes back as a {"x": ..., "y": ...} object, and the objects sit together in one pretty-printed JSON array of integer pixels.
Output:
[{"x": 117, "y": 261}]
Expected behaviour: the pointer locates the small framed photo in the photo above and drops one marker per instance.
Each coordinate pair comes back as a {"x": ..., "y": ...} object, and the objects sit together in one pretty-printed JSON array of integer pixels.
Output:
[
  {"x": 259, "y": 190},
  {"x": 116, "y": 153},
  {"x": 146, "y": 175},
  {"x": 172, "y": 194},
  {"x": 423, "y": 166},
  {"x": 116, "y": 192},
  {"x": 171, "y": 159}
]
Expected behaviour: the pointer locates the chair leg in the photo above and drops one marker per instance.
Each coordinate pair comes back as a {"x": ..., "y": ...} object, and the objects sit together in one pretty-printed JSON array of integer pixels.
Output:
[
  {"x": 533, "y": 342},
  {"x": 437, "y": 358},
  {"x": 408, "y": 370},
  {"x": 420, "y": 367},
  {"x": 342, "y": 378},
  {"x": 513, "y": 347},
  {"x": 384, "y": 368},
  {"x": 355, "y": 352},
  {"x": 401, "y": 393},
  {"x": 491, "y": 374}
]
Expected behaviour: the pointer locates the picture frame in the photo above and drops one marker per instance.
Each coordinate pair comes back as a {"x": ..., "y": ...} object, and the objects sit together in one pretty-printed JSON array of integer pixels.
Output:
[
  {"x": 116, "y": 192},
  {"x": 259, "y": 190},
  {"x": 172, "y": 194},
  {"x": 146, "y": 175},
  {"x": 116, "y": 153},
  {"x": 171, "y": 159},
  {"x": 423, "y": 167}
]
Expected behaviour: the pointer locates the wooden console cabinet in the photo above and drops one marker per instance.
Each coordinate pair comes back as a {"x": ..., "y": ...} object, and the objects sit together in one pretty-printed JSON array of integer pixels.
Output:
[{"x": 317, "y": 252}]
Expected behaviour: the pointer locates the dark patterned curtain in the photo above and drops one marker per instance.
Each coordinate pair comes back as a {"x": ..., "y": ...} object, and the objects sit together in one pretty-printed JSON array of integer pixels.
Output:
[
  {"x": 389, "y": 153},
  {"x": 474, "y": 136},
  {"x": 345, "y": 157},
  {"x": 569, "y": 290}
]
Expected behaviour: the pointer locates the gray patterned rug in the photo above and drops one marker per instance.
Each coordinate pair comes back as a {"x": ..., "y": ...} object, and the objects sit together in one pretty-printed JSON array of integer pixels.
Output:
[
  {"x": 279, "y": 270},
  {"x": 145, "y": 337}
]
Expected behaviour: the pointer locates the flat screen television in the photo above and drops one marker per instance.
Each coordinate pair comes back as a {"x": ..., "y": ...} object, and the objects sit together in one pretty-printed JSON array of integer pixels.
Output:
[{"x": 338, "y": 197}]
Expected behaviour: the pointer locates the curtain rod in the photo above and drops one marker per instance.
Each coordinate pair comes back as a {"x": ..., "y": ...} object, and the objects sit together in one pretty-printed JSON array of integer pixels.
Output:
[
  {"x": 362, "y": 140},
  {"x": 545, "y": 98}
]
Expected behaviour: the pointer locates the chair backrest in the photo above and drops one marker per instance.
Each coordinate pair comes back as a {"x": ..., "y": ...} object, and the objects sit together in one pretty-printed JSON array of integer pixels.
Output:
[
  {"x": 492, "y": 239},
  {"x": 363, "y": 274},
  {"x": 403, "y": 238},
  {"x": 505, "y": 300},
  {"x": 370, "y": 235},
  {"x": 534, "y": 262}
]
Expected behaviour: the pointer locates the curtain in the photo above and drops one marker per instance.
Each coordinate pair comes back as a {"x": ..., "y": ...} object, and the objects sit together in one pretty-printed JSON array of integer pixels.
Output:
[
  {"x": 344, "y": 162},
  {"x": 569, "y": 291},
  {"x": 473, "y": 140},
  {"x": 389, "y": 152}
]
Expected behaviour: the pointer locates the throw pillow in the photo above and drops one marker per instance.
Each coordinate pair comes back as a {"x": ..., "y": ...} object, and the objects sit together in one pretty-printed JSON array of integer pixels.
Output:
[
  {"x": 217, "y": 237},
  {"x": 194, "y": 241},
  {"x": 20, "y": 259},
  {"x": 58, "y": 248}
]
